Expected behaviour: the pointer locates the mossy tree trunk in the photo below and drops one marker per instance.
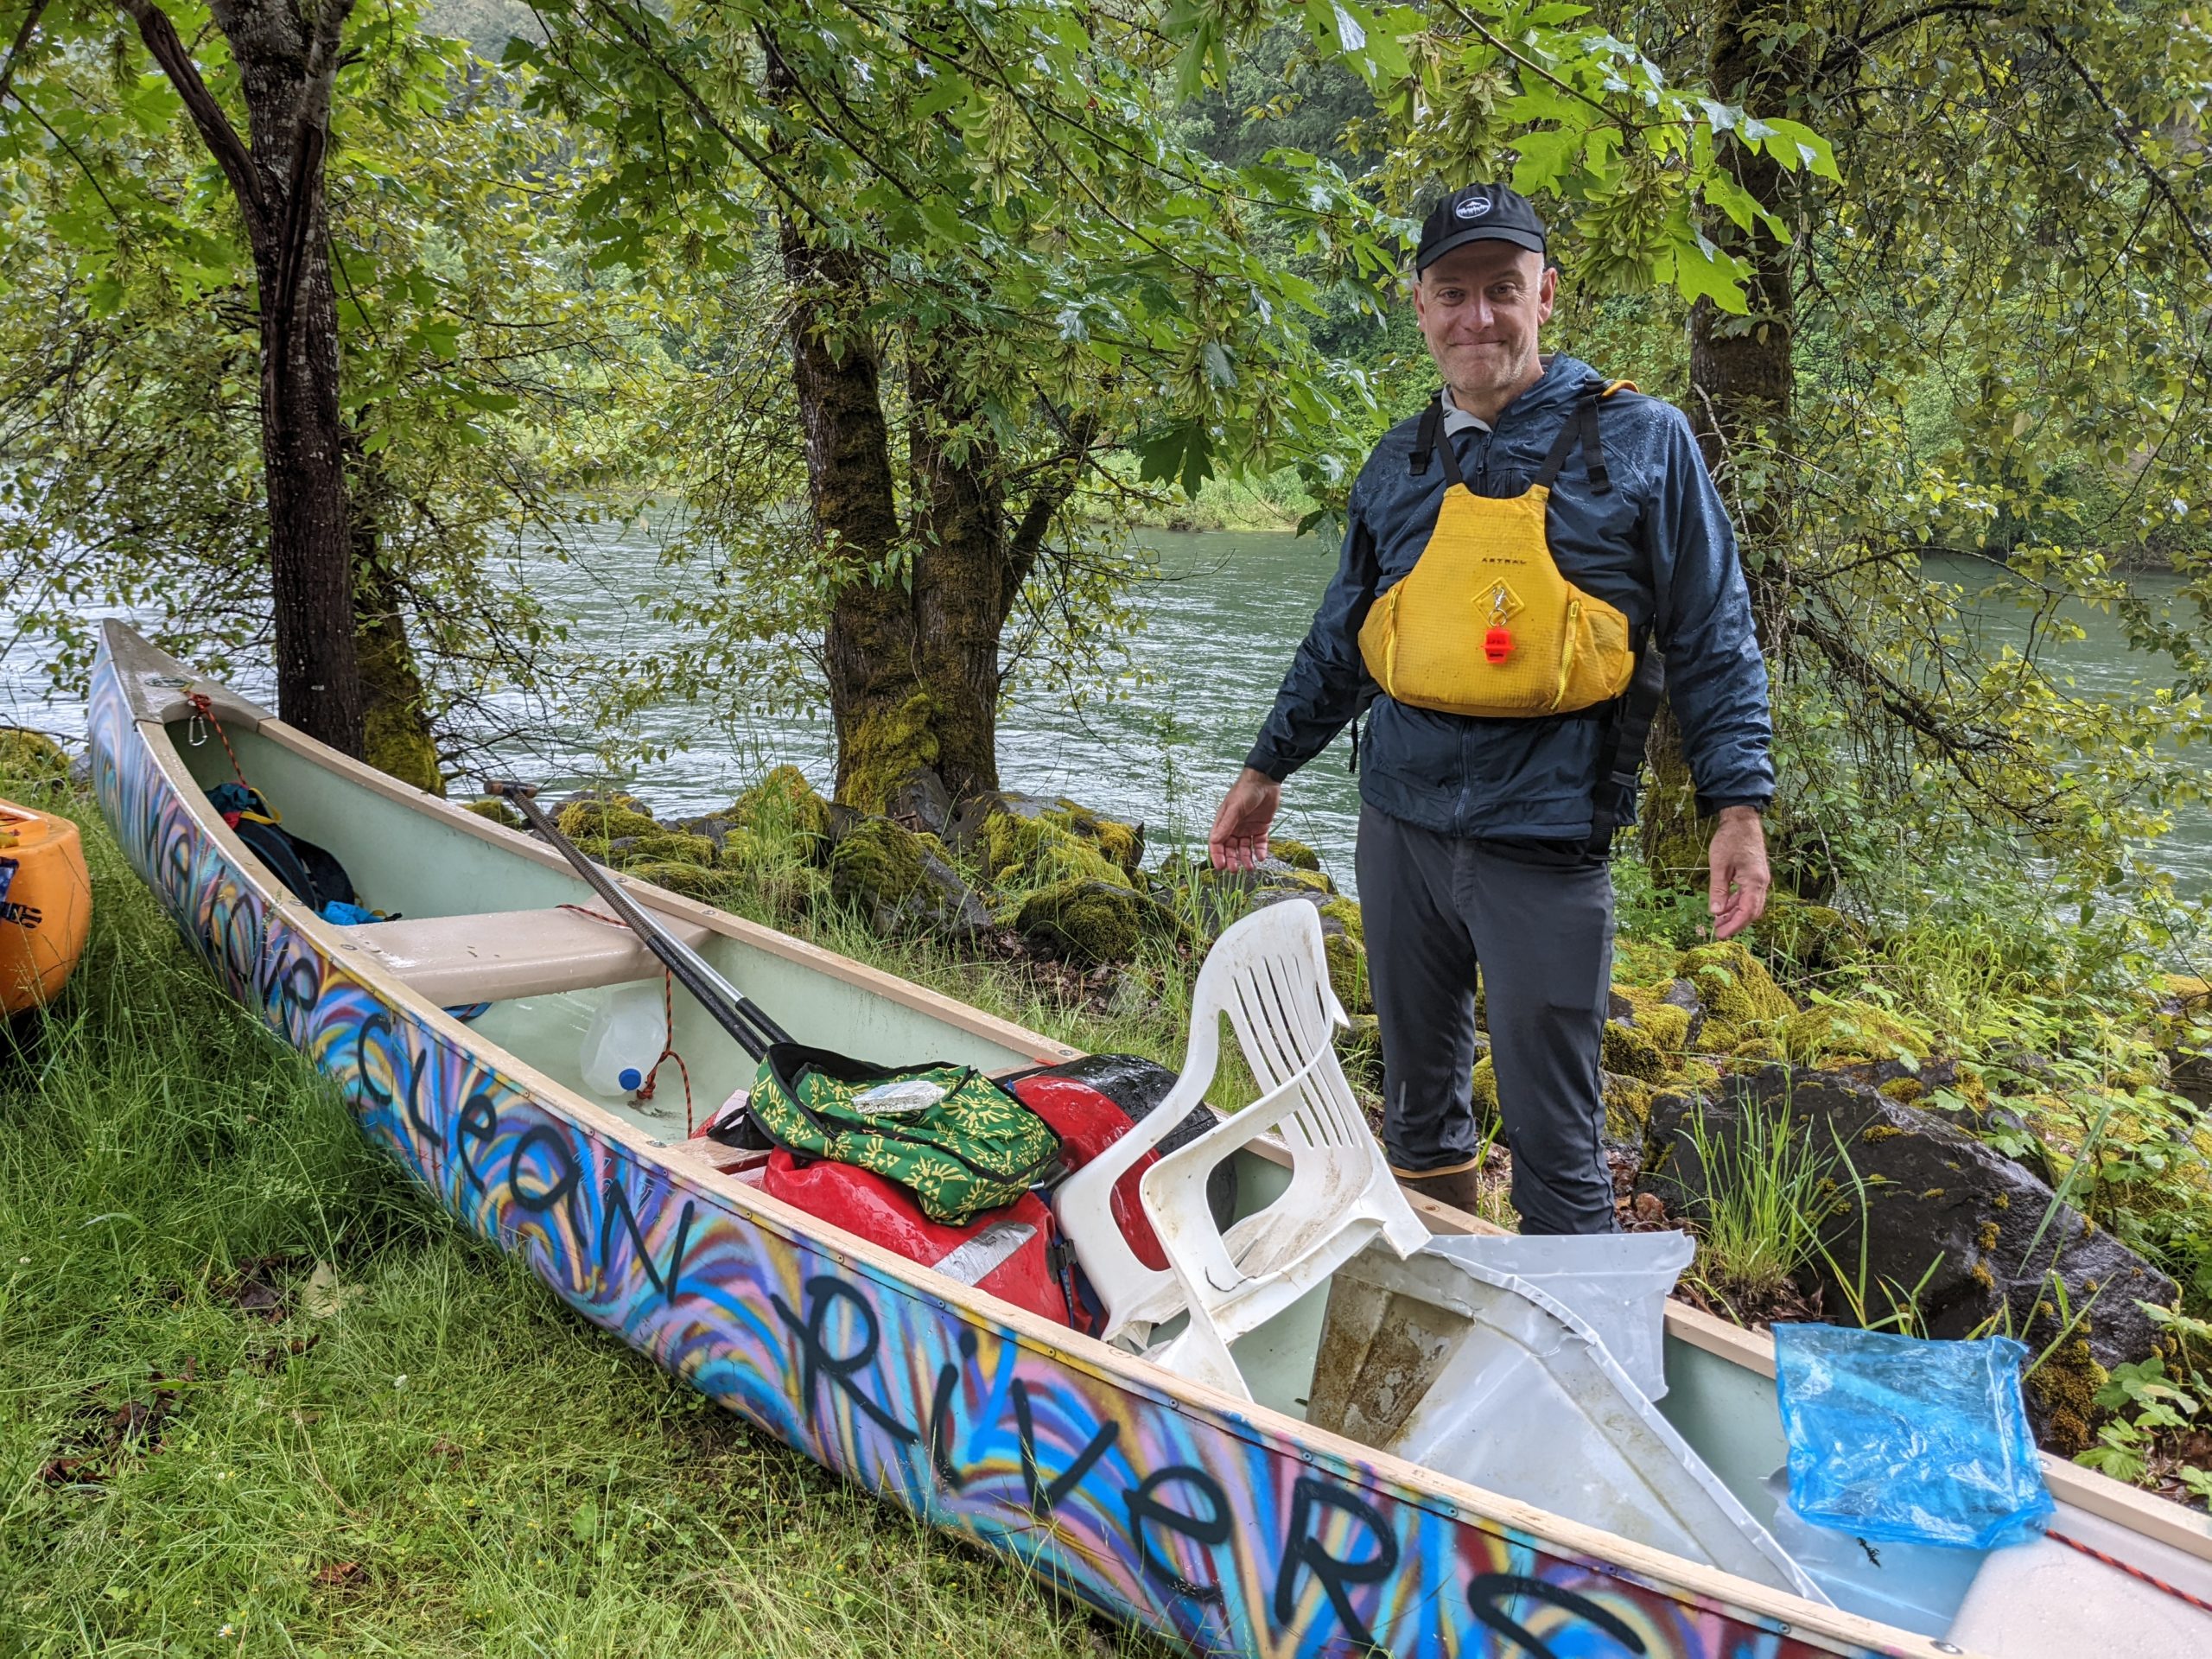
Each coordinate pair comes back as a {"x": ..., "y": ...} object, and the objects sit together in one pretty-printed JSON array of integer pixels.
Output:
[
  {"x": 397, "y": 738},
  {"x": 1742, "y": 375},
  {"x": 920, "y": 598}
]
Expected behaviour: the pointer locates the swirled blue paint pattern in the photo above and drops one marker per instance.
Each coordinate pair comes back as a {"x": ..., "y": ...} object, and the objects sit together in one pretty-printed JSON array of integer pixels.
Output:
[{"x": 1194, "y": 1520}]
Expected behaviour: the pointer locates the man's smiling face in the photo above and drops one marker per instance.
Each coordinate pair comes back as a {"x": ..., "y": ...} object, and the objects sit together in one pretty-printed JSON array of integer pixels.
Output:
[{"x": 1480, "y": 307}]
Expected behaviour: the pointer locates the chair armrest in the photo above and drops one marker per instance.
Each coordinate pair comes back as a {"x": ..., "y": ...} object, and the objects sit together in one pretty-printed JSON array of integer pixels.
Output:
[{"x": 1084, "y": 1206}]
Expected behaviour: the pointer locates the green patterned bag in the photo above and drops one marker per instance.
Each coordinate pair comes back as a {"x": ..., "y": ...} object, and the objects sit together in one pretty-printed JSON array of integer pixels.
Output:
[{"x": 958, "y": 1140}]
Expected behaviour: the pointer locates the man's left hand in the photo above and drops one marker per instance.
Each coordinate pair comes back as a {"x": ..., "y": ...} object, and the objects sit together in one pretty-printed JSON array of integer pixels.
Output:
[{"x": 1740, "y": 877}]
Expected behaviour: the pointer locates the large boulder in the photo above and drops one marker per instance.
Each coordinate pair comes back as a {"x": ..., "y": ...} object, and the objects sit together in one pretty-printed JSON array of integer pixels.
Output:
[
  {"x": 1011, "y": 832},
  {"x": 1913, "y": 1201},
  {"x": 922, "y": 804},
  {"x": 1086, "y": 920},
  {"x": 896, "y": 880}
]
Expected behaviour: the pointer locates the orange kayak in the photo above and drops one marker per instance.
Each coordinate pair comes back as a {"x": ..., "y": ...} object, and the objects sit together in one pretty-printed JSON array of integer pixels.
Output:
[{"x": 46, "y": 905}]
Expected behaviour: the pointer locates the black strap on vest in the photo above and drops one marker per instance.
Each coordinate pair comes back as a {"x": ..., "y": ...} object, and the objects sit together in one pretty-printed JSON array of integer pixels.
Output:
[
  {"x": 1621, "y": 735},
  {"x": 1431, "y": 420},
  {"x": 1580, "y": 427}
]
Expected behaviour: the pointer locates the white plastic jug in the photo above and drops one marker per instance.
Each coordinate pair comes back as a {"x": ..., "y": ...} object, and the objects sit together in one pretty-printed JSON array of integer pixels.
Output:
[{"x": 624, "y": 1040}]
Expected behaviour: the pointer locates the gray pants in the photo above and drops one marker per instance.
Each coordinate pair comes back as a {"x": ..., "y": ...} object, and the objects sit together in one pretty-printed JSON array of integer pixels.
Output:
[{"x": 1541, "y": 924}]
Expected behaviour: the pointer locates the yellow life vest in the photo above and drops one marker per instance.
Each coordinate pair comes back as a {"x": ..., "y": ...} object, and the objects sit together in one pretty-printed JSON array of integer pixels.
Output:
[{"x": 1485, "y": 623}]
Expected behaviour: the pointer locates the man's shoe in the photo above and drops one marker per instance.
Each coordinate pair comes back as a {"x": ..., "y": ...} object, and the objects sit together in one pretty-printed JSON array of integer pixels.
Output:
[{"x": 1458, "y": 1185}]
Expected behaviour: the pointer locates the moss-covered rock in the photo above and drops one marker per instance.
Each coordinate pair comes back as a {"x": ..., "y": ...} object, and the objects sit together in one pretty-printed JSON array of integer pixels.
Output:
[
  {"x": 1090, "y": 920},
  {"x": 1627, "y": 1107},
  {"x": 1029, "y": 853},
  {"x": 981, "y": 829},
  {"x": 2065, "y": 1387},
  {"x": 604, "y": 820},
  {"x": 491, "y": 807},
  {"x": 1851, "y": 1034},
  {"x": 1485, "y": 1091},
  {"x": 1736, "y": 991},
  {"x": 692, "y": 880},
  {"x": 1626, "y": 1049},
  {"x": 1809, "y": 938},
  {"x": 876, "y": 868},
  {"x": 31, "y": 755},
  {"x": 667, "y": 846},
  {"x": 1296, "y": 854},
  {"x": 899, "y": 881},
  {"x": 781, "y": 806},
  {"x": 1347, "y": 956}
]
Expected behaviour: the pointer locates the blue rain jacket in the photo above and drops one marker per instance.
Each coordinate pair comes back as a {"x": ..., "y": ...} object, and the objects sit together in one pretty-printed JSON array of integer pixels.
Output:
[{"x": 1658, "y": 546}]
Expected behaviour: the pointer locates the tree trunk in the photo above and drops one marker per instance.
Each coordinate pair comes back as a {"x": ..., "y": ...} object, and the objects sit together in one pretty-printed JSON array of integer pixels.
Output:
[
  {"x": 911, "y": 644},
  {"x": 1742, "y": 375},
  {"x": 877, "y": 701},
  {"x": 286, "y": 59},
  {"x": 395, "y": 737},
  {"x": 963, "y": 587}
]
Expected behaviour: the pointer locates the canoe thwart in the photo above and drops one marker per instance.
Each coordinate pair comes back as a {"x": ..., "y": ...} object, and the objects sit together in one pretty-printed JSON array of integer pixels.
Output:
[{"x": 496, "y": 956}]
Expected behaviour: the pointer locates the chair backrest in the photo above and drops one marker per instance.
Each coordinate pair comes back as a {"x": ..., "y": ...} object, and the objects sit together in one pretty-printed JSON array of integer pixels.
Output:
[{"x": 1268, "y": 976}]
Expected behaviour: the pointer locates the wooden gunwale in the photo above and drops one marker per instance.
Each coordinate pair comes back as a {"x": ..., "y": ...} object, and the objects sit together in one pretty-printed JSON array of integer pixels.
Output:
[{"x": 696, "y": 1175}]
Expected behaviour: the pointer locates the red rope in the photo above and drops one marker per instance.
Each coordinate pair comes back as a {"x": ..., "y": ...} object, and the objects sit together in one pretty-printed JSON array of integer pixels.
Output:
[
  {"x": 597, "y": 916},
  {"x": 2133, "y": 1571},
  {"x": 668, "y": 1050},
  {"x": 644, "y": 1090},
  {"x": 206, "y": 710}
]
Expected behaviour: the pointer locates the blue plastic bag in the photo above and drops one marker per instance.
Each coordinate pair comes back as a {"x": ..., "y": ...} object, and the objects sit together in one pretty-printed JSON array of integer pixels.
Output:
[{"x": 1920, "y": 1442}]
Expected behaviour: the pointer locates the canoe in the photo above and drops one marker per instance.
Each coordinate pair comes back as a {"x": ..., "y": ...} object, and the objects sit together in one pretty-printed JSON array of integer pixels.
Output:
[
  {"x": 1231, "y": 1525},
  {"x": 46, "y": 905}
]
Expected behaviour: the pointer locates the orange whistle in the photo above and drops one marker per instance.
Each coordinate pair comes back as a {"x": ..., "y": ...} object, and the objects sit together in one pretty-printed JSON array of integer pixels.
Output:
[{"x": 1497, "y": 644}]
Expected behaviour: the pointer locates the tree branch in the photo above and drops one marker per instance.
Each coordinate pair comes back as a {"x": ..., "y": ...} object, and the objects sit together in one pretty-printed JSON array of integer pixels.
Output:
[
  {"x": 1047, "y": 500},
  {"x": 1856, "y": 45},
  {"x": 300, "y": 190},
  {"x": 215, "y": 129},
  {"x": 22, "y": 42}
]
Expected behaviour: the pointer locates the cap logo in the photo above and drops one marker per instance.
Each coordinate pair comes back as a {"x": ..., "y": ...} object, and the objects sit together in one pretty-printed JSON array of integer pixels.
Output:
[{"x": 1472, "y": 207}]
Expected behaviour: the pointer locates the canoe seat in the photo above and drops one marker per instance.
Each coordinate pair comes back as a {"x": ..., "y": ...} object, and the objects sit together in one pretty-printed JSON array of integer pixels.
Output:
[
  {"x": 497, "y": 955},
  {"x": 1269, "y": 975}
]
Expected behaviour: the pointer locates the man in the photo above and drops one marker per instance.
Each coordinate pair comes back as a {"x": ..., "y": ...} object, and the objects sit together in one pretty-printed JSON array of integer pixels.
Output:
[{"x": 1483, "y": 839}]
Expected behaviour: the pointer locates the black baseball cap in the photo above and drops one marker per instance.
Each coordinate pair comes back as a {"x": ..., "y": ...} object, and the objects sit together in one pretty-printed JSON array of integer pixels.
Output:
[{"x": 1478, "y": 212}]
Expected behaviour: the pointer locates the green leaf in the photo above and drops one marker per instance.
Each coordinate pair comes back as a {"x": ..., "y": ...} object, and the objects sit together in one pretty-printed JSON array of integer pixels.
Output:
[
  {"x": 1794, "y": 145},
  {"x": 1544, "y": 156}
]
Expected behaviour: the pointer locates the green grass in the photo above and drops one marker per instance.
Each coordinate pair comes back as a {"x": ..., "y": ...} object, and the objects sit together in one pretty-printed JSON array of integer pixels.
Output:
[
  {"x": 1759, "y": 1222},
  {"x": 204, "y": 1450}
]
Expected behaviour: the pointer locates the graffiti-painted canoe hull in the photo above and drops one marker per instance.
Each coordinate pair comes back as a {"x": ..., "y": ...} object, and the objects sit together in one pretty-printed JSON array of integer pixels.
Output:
[{"x": 1231, "y": 1527}]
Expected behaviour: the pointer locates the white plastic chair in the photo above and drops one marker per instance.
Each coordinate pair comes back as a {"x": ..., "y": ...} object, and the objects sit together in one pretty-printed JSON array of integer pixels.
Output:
[{"x": 1269, "y": 973}]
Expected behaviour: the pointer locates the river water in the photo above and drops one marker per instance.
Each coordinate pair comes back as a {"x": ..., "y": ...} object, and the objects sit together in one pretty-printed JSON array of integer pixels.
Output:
[{"x": 1218, "y": 627}]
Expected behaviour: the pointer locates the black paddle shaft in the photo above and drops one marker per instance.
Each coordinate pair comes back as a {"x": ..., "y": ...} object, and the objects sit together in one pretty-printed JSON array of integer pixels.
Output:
[{"x": 734, "y": 1011}]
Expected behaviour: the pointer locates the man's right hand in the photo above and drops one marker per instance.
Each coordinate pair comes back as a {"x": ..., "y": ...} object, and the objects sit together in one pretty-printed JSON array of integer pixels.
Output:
[{"x": 1240, "y": 829}]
